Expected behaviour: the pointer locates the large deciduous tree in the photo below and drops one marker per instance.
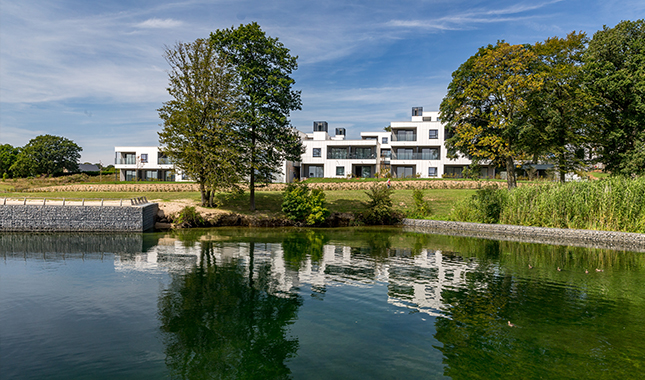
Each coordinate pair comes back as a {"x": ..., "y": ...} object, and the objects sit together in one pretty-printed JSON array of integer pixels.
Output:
[
  {"x": 558, "y": 113},
  {"x": 200, "y": 122},
  {"x": 485, "y": 103},
  {"x": 264, "y": 67},
  {"x": 615, "y": 74},
  {"x": 8, "y": 155},
  {"x": 47, "y": 154}
]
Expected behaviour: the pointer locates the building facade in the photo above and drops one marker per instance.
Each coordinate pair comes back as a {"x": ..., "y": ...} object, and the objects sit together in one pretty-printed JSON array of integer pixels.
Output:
[
  {"x": 412, "y": 148},
  {"x": 145, "y": 163}
]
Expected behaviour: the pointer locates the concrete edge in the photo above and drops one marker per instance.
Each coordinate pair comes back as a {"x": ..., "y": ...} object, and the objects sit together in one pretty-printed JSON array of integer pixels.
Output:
[{"x": 625, "y": 241}]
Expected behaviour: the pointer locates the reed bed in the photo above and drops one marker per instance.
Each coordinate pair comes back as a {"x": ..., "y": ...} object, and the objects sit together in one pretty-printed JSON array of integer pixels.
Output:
[{"x": 613, "y": 204}]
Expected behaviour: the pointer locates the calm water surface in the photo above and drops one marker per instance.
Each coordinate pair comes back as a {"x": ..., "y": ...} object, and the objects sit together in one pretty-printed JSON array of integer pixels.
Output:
[{"x": 316, "y": 304}]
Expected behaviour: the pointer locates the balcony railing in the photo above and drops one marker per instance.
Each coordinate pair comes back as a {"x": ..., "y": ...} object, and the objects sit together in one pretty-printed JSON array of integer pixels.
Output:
[
  {"x": 404, "y": 137},
  {"x": 415, "y": 156},
  {"x": 351, "y": 156},
  {"x": 164, "y": 161},
  {"x": 126, "y": 161}
]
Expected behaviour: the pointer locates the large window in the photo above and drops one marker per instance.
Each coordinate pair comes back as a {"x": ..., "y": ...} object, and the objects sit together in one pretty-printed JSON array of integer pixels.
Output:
[
  {"x": 340, "y": 171},
  {"x": 405, "y": 135},
  {"x": 151, "y": 175},
  {"x": 387, "y": 153},
  {"x": 337, "y": 153},
  {"x": 404, "y": 171},
  {"x": 429, "y": 153},
  {"x": 434, "y": 134},
  {"x": 315, "y": 171},
  {"x": 404, "y": 154},
  {"x": 130, "y": 175},
  {"x": 363, "y": 153},
  {"x": 316, "y": 152}
]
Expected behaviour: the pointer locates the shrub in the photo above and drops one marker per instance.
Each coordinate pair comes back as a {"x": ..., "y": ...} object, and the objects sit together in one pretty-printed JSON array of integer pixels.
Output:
[
  {"x": 421, "y": 207},
  {"x": 189, "y": 217},
  {"x": 304, "y": 206},
  {"x": 379, "y": 208},
  {"x": 485, "y": 206}
]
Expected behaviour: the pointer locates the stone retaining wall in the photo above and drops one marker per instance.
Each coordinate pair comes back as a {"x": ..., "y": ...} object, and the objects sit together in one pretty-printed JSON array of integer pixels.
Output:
[
  {"x": 136, "y": 218},
  {"x": 558, "y": 236}
]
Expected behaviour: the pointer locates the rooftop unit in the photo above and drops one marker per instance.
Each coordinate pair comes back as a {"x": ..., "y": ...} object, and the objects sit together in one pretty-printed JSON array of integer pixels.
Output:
[{"x": 321, "y": 126}]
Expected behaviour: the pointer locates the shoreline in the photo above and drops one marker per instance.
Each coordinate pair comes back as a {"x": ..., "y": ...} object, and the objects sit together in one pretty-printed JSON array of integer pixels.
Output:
[{"x": 627, "y": 241}]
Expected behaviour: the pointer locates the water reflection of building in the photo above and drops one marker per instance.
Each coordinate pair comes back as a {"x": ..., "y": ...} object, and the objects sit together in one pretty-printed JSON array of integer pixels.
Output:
[{"x": 414, "y": 280}]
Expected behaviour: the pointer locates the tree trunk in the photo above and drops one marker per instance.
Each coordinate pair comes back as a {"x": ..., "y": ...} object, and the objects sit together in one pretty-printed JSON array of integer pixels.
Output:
[
  {"x": 210, "y": 198},
  {"x": 202, "y": 190},
  {"x": 252, "y": 179},
  {"x": 510, "y": 173},
  {"x": 561, "y": 169}
]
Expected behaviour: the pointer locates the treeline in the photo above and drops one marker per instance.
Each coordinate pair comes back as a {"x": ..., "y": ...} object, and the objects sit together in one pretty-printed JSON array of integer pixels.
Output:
[
  {"x": 613, "y": 204},
  {"x": 568, "y": 101},
  {"x": 43, "y": 155}
]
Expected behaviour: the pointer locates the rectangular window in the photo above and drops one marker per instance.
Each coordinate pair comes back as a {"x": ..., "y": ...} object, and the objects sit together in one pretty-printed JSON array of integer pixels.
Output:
[
  {"x": 432, "y": 172},
  {"x": 434, "y": 134},
  {"x": 384, "y": 140},
  {"x": 315, "y": 171},
  {"x": 316, "y": 152},
  {"x": 429, "y": 154},
  {"x": 386, "y": 153},
  {"x": 340, "y": 170},
  {"x": 144, "y": 158},
  {"x": 338, "y": 153},
  {"x": 427, "y": 118}
]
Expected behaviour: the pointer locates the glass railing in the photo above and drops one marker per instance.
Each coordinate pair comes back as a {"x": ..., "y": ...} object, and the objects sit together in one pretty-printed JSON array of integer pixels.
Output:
[
  {"x": 127, "y": 161},
  {"x": 404, "y": 137},
  {"x": 164, "y": 161},
  {"x": 415, "y": 156}
]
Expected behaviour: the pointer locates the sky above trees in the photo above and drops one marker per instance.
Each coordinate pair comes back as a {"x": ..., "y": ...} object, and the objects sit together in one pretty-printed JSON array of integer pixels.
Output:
[{"x": 95, "y": 72}]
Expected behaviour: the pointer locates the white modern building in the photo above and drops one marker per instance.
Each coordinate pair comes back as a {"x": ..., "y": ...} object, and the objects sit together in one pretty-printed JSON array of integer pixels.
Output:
[
  {"x": 413, "y": 148},
  {"x": 145, "y": 163}
]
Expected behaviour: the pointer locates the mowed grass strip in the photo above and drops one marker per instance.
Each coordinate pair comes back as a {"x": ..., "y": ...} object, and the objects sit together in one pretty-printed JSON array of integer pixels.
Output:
[{"x": 269, "y": 203}]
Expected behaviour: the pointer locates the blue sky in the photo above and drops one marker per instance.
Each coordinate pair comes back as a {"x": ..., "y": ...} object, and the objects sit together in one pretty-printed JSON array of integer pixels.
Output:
[{"x": 94, "y": 72}]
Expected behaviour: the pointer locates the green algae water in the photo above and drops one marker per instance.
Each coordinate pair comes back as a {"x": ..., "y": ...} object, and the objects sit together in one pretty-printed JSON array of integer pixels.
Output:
[{"x": 361, "y": 303}]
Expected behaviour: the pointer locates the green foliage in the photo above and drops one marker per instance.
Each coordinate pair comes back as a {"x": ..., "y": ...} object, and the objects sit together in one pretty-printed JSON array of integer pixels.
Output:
[
  {"x": 199, "y": 123},
  {"x": 264, "y": 67},
  {"x": 614, "y": 73},
  {"x": 421, "y": 207},
  {"x": 189, "y": 217},
  {"x": 485, "y": 206},
  {"x": 295, "y": 203},
  {"x": 485, "y": 103},
  {"x": 379, "y": 207},
  {"x": 558, "y": 114},
  {"x": 614, "y": 204},
  {"x": 304, "y": 206},
  {"x": 47, "y": 154},
  {"x": 8, "y": 156}
]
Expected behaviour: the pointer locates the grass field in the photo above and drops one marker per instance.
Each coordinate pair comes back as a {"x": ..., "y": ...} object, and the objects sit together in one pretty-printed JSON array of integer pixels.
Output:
[{"x": 268, "y": 203}]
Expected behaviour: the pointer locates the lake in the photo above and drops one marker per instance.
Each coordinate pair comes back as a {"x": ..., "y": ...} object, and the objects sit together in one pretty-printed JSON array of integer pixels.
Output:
[{"x": 377, "y": 303}]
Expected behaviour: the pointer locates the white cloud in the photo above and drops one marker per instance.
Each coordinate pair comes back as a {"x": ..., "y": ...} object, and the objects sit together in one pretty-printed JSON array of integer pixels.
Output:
[{"x": 156, "y": 23}]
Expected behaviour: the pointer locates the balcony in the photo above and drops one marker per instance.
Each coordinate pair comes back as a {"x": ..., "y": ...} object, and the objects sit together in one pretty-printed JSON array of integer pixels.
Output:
[
  {"x": 164, "y": 161},
  {"x": 415, "y": 156},
  {"x": 126, "y": 161},
  {"x": 404, "y": 136}
]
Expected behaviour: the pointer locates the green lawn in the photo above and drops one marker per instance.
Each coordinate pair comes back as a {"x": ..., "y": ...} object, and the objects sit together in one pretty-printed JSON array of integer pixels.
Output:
[{"x": 269, "y": 203}]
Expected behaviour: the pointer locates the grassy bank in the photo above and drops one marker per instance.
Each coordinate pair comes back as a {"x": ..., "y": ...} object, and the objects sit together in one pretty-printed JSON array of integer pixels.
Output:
[
  {"x": 613, "y": 204},
  {"x": 268, "y": 203}
]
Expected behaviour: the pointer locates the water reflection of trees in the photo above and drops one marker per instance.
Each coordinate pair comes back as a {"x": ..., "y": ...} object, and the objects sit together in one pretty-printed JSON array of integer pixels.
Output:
[{"x": 222, "y": 320}]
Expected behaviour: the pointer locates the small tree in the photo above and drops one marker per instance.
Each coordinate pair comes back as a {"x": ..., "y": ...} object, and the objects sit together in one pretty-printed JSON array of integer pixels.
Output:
[
  {"x": 421, "y": 206},
  {"x": 379, "y": 208}
]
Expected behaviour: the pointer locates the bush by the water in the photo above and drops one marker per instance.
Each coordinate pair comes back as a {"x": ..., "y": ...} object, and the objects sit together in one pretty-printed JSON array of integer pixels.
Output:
[
  {"x": 614, "y": 204},
  {"x": 189, "y": 217},
  {"x": 379, "y": 208},
  {"x": 304, "y": 206}
]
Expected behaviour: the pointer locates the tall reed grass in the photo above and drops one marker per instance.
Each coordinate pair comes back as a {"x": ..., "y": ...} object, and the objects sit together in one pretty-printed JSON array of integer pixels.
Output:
[{"x": 613, "y": 204}]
